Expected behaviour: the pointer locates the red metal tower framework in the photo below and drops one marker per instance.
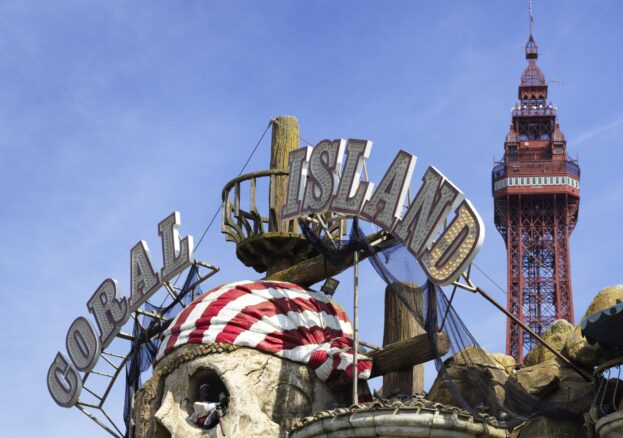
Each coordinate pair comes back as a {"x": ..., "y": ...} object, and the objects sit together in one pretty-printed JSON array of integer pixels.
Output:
[{"x": 536, "y": 191}]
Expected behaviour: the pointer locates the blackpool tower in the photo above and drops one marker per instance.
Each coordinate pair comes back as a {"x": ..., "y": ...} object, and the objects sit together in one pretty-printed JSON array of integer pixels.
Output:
[{"x": 536, "y": 191}]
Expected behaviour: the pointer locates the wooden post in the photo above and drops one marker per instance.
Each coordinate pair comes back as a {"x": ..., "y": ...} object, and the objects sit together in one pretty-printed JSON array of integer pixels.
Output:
[
  {"x": 400, "y": 325},
  {"x": 285, "y": 139}
]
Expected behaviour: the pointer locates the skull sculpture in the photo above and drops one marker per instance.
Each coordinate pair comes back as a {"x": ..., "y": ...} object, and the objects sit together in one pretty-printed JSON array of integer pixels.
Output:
[{"x": 271, "y": 380}]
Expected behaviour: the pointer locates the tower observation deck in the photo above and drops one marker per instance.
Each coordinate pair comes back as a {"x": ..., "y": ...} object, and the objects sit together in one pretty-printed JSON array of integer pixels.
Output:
[{"x": 536, "y": 191}]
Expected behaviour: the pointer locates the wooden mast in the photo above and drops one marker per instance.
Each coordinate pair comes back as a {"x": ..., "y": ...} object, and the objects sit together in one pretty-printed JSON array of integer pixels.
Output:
[
  {"x": 285, "y": 139},
  {"x": 400, "y": 325}
]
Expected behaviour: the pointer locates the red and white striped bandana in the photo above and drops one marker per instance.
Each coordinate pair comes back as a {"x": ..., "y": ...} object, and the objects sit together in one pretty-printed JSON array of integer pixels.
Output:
[{"x": 280, "y": 318}]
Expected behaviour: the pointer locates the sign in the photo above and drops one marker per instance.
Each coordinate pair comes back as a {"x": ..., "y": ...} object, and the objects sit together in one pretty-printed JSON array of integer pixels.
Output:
[
  {"x": 111, "y": 311},
  {"x": 328, "y": 177}
]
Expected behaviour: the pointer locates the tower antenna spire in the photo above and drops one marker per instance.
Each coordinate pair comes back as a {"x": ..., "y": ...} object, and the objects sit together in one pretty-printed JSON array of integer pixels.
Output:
[{"x": 530, "y": 12}]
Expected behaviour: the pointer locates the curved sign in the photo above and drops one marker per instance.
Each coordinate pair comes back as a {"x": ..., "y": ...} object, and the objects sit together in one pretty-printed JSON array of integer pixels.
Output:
[
  {"x": 111, "y": 312},
  {"x": 328, "y": 177}
]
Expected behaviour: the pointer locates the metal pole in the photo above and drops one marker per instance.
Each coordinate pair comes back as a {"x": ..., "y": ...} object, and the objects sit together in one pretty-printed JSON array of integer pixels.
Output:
[
  {"x": 355, "y": 326},
  {"x": 536, "y": 336}
]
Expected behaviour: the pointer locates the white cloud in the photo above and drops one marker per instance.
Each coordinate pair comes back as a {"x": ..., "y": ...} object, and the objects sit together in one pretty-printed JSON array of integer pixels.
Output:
[{"x": 597, "y": 131}]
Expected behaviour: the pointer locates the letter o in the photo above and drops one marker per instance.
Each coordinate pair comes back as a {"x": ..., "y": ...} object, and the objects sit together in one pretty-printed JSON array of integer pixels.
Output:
[{"x": 82, "y": 344}]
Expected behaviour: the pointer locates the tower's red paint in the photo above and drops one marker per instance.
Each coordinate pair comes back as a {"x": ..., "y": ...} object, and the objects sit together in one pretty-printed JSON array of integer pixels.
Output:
[{"x": 536, "y": 191}]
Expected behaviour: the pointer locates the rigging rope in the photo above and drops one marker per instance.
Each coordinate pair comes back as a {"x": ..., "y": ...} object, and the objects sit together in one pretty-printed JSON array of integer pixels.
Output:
[
  {"x": 218, "y": 210},
  {"x": 274, "y": 120}
]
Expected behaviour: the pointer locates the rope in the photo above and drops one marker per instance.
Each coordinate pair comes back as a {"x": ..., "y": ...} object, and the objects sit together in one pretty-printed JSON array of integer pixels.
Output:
[
  {"x": 239, "y": 173},
  {"x": 218, "y": 210},
  {"x": 496, "y": 284},
  {"x": 489, "y": 278},
  {"x": 274, "y": 120}
]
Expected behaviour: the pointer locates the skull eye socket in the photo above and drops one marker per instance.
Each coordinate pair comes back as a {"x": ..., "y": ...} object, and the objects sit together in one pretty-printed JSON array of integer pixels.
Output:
[
  {"x": 161, "y": 432},
  {"x": 206, "y": 386}
]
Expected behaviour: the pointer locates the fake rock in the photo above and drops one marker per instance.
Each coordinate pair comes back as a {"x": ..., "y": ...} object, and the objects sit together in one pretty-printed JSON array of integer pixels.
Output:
[
  {"x": 606, "y": 297},
  {"x": 540, "y": 379},
  {"x": 579, "y": 351},
  {"x": 479, "y": 378},
  {"x": 266, "y": 394},
  {"x": 555, "y": 335},
  {"x": 543, "y": 427},
  {"x": 577, "y": 348}
]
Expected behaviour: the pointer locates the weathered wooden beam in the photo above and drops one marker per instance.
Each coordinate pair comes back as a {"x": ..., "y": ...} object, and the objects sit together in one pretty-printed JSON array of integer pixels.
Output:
[
  {"x": 316, "y": 269},
  {"x": 285, "y": 139},
  {"x": 403, "y": 355}
]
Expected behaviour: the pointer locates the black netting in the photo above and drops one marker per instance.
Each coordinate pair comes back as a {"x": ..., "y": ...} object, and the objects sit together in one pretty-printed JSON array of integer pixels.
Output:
[
  {"x": 490, "y": 396},
  {"x": 146, "y": 342}
]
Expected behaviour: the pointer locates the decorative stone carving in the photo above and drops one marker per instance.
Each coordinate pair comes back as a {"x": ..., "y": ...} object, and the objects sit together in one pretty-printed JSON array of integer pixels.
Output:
[
  {"x": 410, "y": 416},
  {"x": 266, "y": 394}
]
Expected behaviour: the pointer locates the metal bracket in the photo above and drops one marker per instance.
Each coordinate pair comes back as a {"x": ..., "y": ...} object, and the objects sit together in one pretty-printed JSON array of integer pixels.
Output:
[{"x": 107, "y": 371}]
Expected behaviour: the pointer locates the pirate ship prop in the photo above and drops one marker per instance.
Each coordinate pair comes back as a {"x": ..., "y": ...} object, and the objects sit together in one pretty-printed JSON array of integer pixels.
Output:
[{"x": 273, "y": 357}]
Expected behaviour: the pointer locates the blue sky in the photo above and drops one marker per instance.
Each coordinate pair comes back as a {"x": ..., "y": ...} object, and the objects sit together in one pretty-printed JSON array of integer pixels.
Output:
[{"x": 113, "y": 114}]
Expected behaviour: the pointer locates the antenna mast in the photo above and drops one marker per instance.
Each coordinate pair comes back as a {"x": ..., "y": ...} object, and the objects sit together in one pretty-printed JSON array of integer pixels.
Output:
[{"x": 530, "y": 12}]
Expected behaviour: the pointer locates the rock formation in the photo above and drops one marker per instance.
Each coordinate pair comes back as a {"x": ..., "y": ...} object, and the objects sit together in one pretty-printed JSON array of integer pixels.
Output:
[
  {"x": 555, "y": 335},
  {"x": 606, "y": 297},
  {"x": 556, "y": 393},
  {"x": 479, "y": 377},
  {"x": 267, "y": 394}
]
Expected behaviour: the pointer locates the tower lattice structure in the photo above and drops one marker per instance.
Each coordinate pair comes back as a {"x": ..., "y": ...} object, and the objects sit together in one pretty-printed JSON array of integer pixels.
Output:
[{"x": 536, "y": 191}]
